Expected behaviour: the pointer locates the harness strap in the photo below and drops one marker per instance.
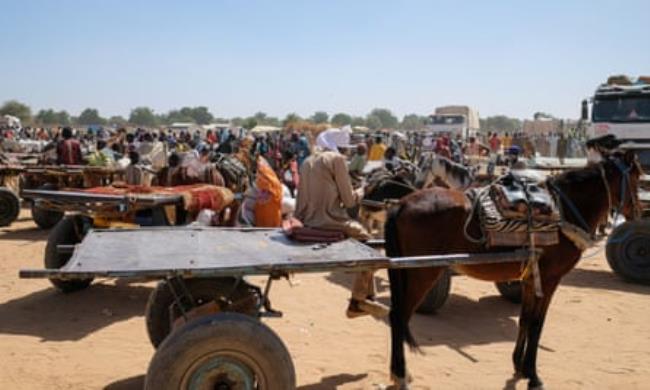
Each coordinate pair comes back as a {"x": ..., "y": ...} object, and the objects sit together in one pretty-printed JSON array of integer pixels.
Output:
[{"x": 572, "y": 207}]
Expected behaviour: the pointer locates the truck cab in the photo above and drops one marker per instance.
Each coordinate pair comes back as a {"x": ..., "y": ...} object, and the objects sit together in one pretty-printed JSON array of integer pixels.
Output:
[
  {"x": 621, "y": 107},
  {"x": 455, "y": 121}
]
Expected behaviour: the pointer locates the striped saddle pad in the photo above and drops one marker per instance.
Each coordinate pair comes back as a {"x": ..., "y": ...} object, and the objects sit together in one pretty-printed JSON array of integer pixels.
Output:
[{"x": 501, "y": 227}]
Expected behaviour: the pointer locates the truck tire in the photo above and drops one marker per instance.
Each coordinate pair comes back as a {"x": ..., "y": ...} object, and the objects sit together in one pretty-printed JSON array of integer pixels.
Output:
[
  {"x": 9, "y": 206},
  {"x": 225, "y": 350},
  {"x": 69, "y": 231},
  {"x": 44, "y": 218},
  {"x": 160, "y": 312},
  {"x": 437, "y": 296},
  {"x": 628, "y": 251},
  {"x": 510, "y": 290}
]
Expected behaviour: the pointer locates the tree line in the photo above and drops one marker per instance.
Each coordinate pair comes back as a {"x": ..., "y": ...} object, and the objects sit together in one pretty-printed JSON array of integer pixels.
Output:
[{"x": 378, "y": 118}]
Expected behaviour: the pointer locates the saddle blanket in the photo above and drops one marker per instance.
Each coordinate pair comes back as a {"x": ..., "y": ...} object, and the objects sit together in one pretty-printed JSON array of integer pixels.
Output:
[{"x": 504, "y": 226}]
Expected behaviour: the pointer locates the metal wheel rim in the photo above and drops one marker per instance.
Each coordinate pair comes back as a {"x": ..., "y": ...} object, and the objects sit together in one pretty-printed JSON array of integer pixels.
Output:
[{"x": 224, "y": 370}]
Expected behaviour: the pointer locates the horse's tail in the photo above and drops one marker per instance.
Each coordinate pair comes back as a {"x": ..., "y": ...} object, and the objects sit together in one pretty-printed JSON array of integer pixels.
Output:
[{"x": 398, "y": 281}]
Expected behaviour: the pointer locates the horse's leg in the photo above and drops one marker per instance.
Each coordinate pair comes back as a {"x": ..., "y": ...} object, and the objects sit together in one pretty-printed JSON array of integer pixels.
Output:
[
  {"x": 527, "y": 306},
  {"x": 397, "y": 325},
  {"x": 407, "y": 292},
  {"x": 534, "y": 333}
]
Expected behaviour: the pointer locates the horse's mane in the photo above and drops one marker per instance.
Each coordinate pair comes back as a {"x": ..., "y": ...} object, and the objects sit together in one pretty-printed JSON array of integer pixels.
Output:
[{"x": 576, "y": 175}]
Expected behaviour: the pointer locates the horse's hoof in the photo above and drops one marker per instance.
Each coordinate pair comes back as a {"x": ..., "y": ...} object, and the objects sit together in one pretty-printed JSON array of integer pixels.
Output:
[
  {"x": 537, "y": 385},
  {"x": 401, "y": 383}
]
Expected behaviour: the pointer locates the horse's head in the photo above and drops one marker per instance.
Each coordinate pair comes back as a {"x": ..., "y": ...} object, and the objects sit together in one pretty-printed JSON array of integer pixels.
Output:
[
  {"x": 437, "y": 169},
  {"x": 622, "y": 172}
]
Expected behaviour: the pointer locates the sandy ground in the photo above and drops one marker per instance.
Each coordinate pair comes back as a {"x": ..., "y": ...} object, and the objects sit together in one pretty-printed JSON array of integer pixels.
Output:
[{"x": 597, "y": 334}]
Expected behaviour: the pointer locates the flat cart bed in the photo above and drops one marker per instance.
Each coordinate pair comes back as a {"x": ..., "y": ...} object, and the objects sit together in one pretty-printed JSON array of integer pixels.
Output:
[
  {"x": 74, "y": 197},
  {"x": 164, "y": 252}
]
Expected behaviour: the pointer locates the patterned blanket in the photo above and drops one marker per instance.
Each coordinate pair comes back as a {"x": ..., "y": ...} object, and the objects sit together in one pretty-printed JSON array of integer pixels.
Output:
[
  {"x": 502, "y": 227},
  {"x": 196, "y": 197}
]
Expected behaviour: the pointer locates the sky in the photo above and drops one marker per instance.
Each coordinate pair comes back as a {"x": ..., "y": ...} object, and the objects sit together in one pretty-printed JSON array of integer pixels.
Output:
[{"x": 279, "y": 57}]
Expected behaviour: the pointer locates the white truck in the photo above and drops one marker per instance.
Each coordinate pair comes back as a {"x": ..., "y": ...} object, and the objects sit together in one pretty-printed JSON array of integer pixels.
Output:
[
  {"x": 455, "y": 121},
  {"x": 621, "y": 107}
]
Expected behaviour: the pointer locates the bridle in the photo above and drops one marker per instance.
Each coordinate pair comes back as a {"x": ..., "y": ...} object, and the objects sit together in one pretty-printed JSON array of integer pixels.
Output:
[{"x": 626, "y": 187}]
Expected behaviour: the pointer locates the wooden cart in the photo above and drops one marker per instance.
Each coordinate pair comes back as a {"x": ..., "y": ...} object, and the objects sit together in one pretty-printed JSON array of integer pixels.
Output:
[{"x": 203, "y": 316}]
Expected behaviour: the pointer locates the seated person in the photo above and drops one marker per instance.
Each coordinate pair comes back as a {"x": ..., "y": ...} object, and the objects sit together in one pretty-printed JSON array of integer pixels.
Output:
[{"x": 324, "y": 195}]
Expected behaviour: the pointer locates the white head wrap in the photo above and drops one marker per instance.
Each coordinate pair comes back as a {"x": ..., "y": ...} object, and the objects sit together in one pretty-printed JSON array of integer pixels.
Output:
[{"x": 332, "y": 139}]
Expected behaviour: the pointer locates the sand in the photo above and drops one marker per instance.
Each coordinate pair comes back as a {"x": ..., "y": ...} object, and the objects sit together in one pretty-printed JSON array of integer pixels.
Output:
[{"x": 597, "y": 333}]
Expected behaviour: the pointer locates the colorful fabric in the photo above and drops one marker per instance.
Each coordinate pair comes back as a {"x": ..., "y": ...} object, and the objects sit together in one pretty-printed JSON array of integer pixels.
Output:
[
  {"x": 196, "y": 197},
  {"x": 377, "y": 152},
  {"x": 268, "y": 206}
]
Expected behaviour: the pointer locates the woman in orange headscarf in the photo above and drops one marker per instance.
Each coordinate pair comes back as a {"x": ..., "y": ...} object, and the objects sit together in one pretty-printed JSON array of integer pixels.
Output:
[{"x": 268, "y": 206}]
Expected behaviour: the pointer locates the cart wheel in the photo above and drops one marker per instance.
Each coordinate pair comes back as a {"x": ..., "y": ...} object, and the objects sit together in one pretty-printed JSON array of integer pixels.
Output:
[
  {"x": 161, "y": 310},
  {"x": 9, "y": 206},
  {"x": 44, "y": 218},
  {"x": 69, "y": 231},
  {"x": 628, "y": 251},
  {"x": 222, "y": 351},
  {"x": 437, "y": 296},
  {"x": 510, "y": 290}
]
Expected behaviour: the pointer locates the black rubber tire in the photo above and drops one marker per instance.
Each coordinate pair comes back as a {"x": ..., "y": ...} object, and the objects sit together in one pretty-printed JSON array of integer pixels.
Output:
[
  {"x": 208, "y": 345},
  {"x": 510, "y": 290},
  {"x": 44, "y": 218},
  {"x": 159, "y": 305},
  {"x": 628, "y": 251},
  {"x": 69, "y": 231},
  {"x": 437, "y": 296},
  {"x": 9, "y": 206}
]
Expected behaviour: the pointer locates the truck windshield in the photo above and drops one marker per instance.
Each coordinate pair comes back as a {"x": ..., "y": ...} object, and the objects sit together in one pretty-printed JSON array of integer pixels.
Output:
[
  {"x": 447, "y": 120},
  {"x": 622, "y": 109}
]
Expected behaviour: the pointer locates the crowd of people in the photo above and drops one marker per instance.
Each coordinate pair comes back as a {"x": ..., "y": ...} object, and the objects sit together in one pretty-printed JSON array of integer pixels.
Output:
[
  {"x": 317, "y": 171},
  {"x": 285, "y": 152}
]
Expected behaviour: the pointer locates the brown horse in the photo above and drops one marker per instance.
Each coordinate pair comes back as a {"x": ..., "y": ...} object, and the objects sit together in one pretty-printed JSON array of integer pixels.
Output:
[{"x": 432, "y": 222}]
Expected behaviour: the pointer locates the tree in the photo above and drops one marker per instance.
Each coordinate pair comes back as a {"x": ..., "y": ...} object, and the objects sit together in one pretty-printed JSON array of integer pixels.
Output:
[
  {"x": 177, "y": 116},
  {"x": 358, "y": 121},
  {"x": 17, "y": 109},
  {"x": 46, "y": 117},
  {"x": 237, "y": 121},
  {"x": 341, "y": 119},
  {"x": 320, "y": 117},
  {"x": 63, "y": 118},
  {"x": 142, "y": 116},
  {"x": 373, "y": 122},
  {"x": 117, "y": 120},
  {"x": 249, "y": 123},
  {"x": 90, "y": 116},
  {"x": 413, "y": 122},
  {"x": 51, "y": 117},
  {"x": 259, "y": 116},
  {"x": 386, "y": 117},
  {"x": 271, "y": 121},
  {"x": 500, "y": 123},
  {"x": 201, "y": 115},
  {"x": 291, "y": 118}
]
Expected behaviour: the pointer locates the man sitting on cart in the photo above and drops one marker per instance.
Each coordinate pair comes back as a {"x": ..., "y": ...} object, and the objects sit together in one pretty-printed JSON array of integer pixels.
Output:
[{"x": 324, "y": 194}]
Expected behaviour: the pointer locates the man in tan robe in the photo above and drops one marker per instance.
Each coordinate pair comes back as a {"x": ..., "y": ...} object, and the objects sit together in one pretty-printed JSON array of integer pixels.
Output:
[{"x": 324, "y": 193}]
